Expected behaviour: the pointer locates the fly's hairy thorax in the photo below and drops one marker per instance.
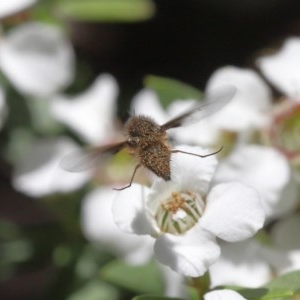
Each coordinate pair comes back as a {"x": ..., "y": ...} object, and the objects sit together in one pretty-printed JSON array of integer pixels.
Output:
[
  {"x": 143, "y": 131},
  {"x": 149, "y": 144}
]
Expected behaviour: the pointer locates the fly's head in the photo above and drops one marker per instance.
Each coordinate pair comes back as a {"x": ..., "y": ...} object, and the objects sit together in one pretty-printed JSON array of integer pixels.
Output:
[{"x": 142, "y": 131}]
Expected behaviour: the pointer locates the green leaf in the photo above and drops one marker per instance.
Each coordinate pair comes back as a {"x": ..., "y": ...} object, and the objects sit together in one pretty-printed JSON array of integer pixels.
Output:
[
  {"x": 169, "y": 89},
  {"x": 265, "y": 294},
  {"x": 20, "y": 140},
  {"x": 142, "y": 279},
  {"x": 152, "y": 297},
  {"x": 283, "y": 287},
  {"x": 95, "y": 290},
  {"x": 15, "y": 248},
  {"x": 107, "y": 10},
  {"x": 289, "y": 281},
  {"x": 42, "y": 120}
]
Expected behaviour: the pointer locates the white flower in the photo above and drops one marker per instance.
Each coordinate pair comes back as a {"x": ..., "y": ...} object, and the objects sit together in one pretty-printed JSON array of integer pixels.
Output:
[
  {"x": 146, "y": 102},
  {"x": 283, "y": 132},
  {"x": 186, "y": 216},
  {"x": 92, "y": 113},
  {"x": 99, "y": 227},
  {"x": 251, "y": 104},
  {"x": 39, "y": 174},
  {"x": 37, "y": 59},
  {"x": 266, "y": 170},
  {"x": 202, "y": 133},
  {"x": 241, "y": 264},
  {"x": 282, "y": 68},
  {"x": 248, "y": 110},
  {"x": 8, "y": 8},
  {"x": 223, "y": 295},
  {"x": 250, "y": 264}
]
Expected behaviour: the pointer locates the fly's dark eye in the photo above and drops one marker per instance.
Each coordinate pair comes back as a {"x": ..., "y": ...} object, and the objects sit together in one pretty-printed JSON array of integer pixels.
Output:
[
  {"x": 133, "y": 133},
  {"x": 133, "y": 141}
]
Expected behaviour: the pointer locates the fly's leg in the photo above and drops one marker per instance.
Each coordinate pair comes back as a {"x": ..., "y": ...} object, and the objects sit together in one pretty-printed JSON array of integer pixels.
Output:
[
  {"x": 202, "y": 156},
  {"x": 129, "y": 185}
]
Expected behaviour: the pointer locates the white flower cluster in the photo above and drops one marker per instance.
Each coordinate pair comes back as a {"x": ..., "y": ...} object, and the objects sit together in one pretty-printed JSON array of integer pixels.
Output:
[
  {"x": 204, "y": 217},
  {"x": 188, "y": 214}
]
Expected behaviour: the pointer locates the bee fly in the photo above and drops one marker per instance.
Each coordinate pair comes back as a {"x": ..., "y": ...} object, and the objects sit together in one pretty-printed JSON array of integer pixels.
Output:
[{"x": 147, "y": 141}]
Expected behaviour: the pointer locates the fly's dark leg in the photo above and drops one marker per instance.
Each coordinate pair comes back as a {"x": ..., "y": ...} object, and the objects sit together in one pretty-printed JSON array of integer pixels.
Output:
[
  {"x": 206, "y": 155},
  {"x": 129, "y": 185}
]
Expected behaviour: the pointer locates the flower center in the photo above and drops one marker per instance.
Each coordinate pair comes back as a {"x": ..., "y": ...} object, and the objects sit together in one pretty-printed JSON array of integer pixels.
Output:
[
  {"x": 285, "y": 132},
  {"x": 179, "y": 212}
]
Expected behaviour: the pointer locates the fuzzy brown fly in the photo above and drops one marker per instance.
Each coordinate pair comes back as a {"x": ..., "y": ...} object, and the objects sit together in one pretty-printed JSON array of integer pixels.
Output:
[{"x": 147, "y": 141}]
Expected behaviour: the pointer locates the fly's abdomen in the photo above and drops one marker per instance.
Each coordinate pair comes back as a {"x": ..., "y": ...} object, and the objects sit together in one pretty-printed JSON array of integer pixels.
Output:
[{"x": 157, "y": 159}]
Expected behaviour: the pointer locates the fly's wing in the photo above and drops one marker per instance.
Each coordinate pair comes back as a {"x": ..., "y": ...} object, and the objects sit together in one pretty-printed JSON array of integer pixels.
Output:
[
  {"x": 211, "y": 104},
  {"x": 82, "y": 160}
]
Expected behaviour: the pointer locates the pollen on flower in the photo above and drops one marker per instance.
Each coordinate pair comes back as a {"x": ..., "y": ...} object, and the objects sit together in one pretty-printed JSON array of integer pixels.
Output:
[
  {"x": 180, "y": 212},
  {"x": 284, "y": 132}
]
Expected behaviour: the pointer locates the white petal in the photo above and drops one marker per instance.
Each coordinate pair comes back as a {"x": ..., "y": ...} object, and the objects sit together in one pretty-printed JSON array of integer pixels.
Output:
[
  {"x": 192, "y": 172},
  {"x": 160, "y": 191},
  {"x": 286, "y": 261},
  {"x": 202, "y": 133},
  {"x": 39, "y": 174},
  {"x": 98, "y": 226},
  {"x": 223, "y": 295},
  {"x": 37, "y": 59},
  {"x": 294, "y": 258},
  {"x": 92, "y": 113},
  {"x": 263, "y": 168},
  {"x": 282, "y": 68},
  {"x": 147, "y": 103},
  {"x": 190, "y": 254},
  {"x": 283, "y": 262},
  {"x": 240, "y": 264},
  {"x": 188, "y": 173},
  {"x": 174, "y": 283},
  {"x": 8, "y": 8},
  {"x": 233, "y": 212},
  {"x": 250, "y": 105},
  {"x": 129, "y": 210}
]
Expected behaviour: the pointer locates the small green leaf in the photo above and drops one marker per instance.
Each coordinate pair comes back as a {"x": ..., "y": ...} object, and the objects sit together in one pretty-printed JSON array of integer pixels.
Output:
[
  {"x": 289, "y": 281},
  {"x": 95, "y": 290},
  {"x": 150, "y": 297},
  {"x": 20, "y": 141},
  {"x": 42, "y": 120},
  {"x": 263, "y": 293},
  {"x": 142, "y": 279},
  {"x": 266, "y": 294},
  {"x": 169, "y": 89},
  {"x": 107, "y": 10}
]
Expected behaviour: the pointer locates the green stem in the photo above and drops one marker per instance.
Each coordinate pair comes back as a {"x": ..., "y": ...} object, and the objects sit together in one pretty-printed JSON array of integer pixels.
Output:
[{"x": 201, "y": 284}]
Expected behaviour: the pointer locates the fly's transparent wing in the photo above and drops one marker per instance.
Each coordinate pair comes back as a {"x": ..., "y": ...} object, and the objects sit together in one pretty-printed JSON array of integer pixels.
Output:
[
  {"x": 215, "y": 101},
  {"x": 82, "y": 160}
]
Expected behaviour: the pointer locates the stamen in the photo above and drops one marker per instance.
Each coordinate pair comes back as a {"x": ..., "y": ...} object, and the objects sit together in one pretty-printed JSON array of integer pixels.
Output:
[{"x": 180, "y": 212}]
